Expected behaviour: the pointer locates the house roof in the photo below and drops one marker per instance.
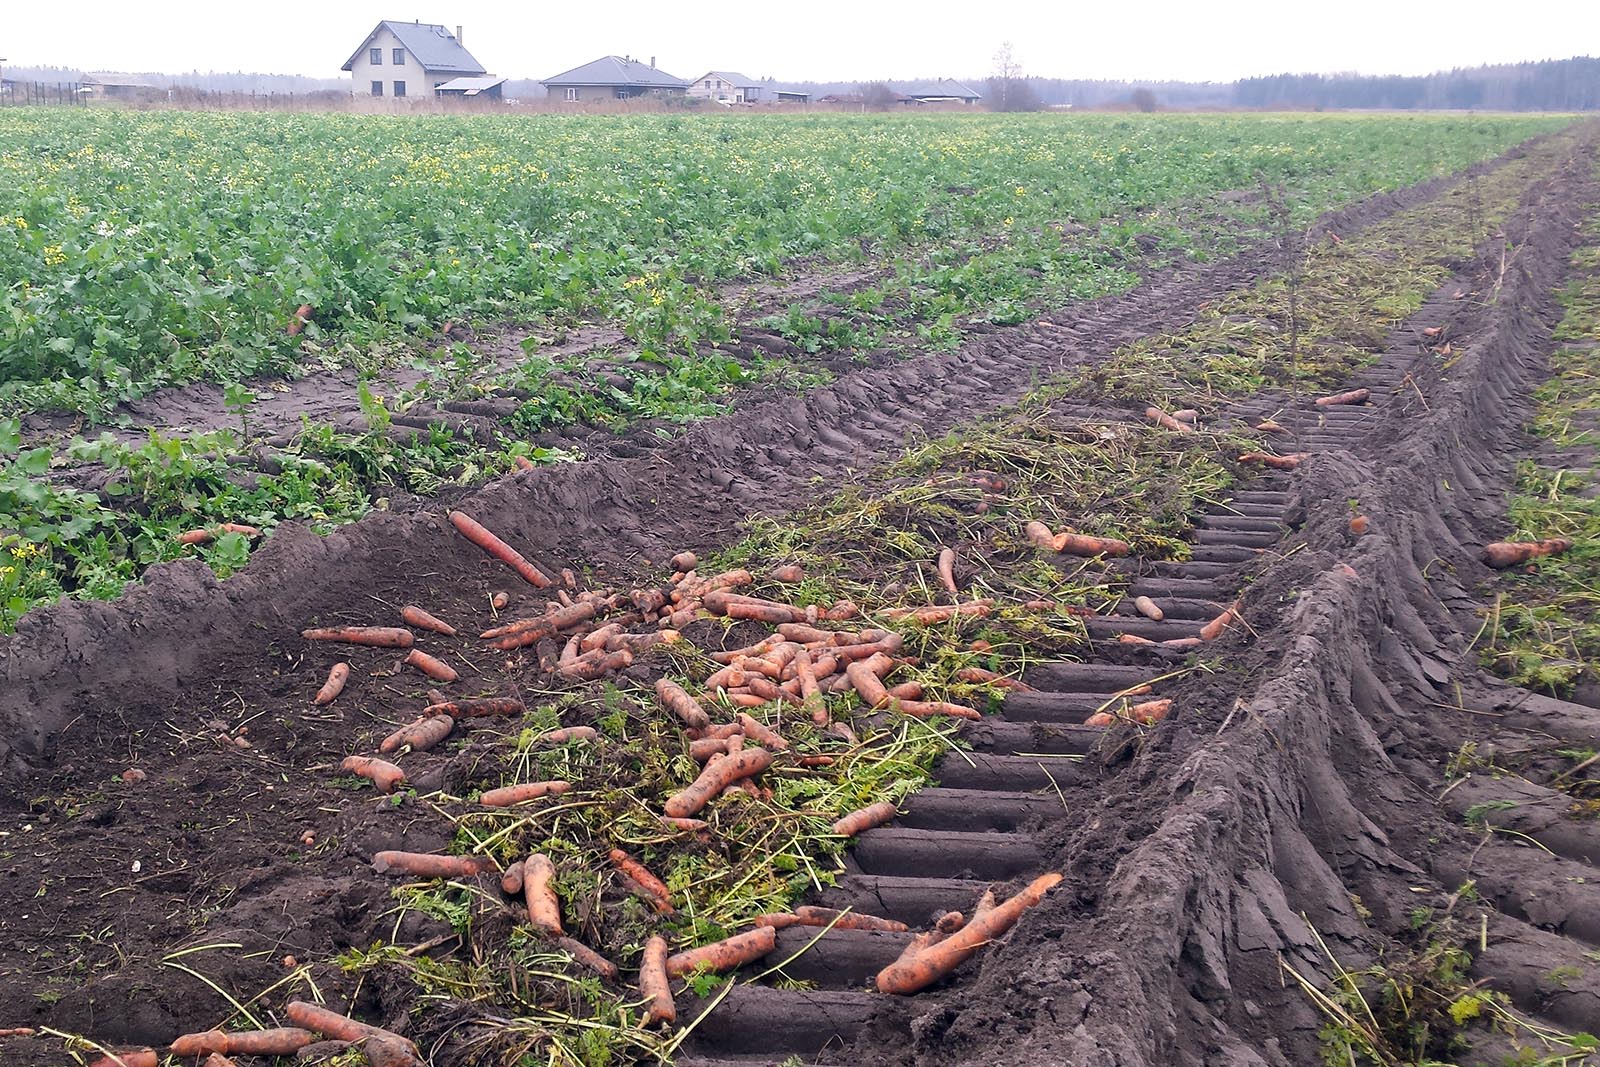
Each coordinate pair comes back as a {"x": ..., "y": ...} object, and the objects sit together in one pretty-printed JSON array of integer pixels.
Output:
[
  {"x": 470, "y": 86},
  {"x": 615, "y": 70},
  {"x": 434, "y": 47},
  {"x": 737, "y": 80},
  {"x": 105, "y": 77},
  {"x": 943, "y": 87}
]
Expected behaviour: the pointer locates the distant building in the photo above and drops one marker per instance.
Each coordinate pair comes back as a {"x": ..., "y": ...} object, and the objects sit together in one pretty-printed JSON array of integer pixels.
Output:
[
  {"x": 487, "y": 87},
  {"x": 726, "y": 87},
  {"x": 404, "y": 59},
  {"x": 943, "y": 91},
  {"x": 110, "y": 86},
  {"x": 613, "y": 78}
]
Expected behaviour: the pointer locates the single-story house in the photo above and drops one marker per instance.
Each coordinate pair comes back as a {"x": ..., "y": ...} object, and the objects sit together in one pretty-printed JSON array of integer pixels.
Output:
[
  {"x": 409, "y": 59},
  {"x": 613, "y": 78},
  {"x": 725, "y": 88},
  {"x": 943, "y": 91},
  {"x": 488, "y": 87},
  {"x": 782, "y": 93},
  {"x": 110, "y": 86}
]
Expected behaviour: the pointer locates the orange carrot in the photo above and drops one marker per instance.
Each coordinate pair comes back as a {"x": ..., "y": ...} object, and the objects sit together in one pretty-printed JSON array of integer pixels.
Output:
[
  {"x": 1182, "y": 642},
  {"x": 592, "y": 665},
  {"x": 842, "y": 611},
  {"x": 477, "y": 707},
  {"x": 1503, "y": 554},
  {"x": 500, "y": 600},
  {"x": 1359, "y": 524},
  {"x": 640, "y": 642},
  {"x": 646, "y": 884},
  {"x": 475, "y": 532},
  {"x": 211, "y": 533},
  {"x": 934, "y": 614},
  {"x": 870, "y": 687},
  {"x": 673, "y": 697},
  {"x": 789, "y": 573},
  {"x": 597, "y": 638},
  {"x": 1148, "y": 608},
  {"x": 544, "y": 907},
  {"x": 386, "y": 776},
  {"x": 1133, "y": 639},
  {"x": 512, "y": 795},
  {"x": 703, "y": 748},
  {"x": 724, "y": 955},
  {"x": 1354, "y": 396},
  {"x": 655, "y": 985},
  {"x": 718, "y": 775},
  {"x": 906, "y": 691},
  {"x": 1165, "y": 421},
  {"x": 1271, "y": 426},
  {"x": 431, "y": 864},
  {"x": 298, "y": 320},
  {"x": 414, "y": 616},
  {"x": 421, "y": 735},
  {"x": 511, "y": 880},
  {"x": 588, "y": 957},
  {"x": 1041, "y": 536},
  {"x": 338, "y": 675},
  {"x": 1187, "y": 415},
  {"x": 1074, "y": 544},
  {"x": 685, "y": 561},
  {"x": 132, "y": 1057},
  {"x": 285, "y": 1041},
  {"x": 1213, "y": 629},
  {"x": 770, "y": 613},
  {"x": 1151, "y": 711},
  {"x": 566, "y": 734},
  {"x": 978, "y": 674},
  {"x": 527, "y": 631},
  {"x": 847, "y": 920},
  {"x": 936, "y": 961},
  {"x": 398, "y": 1051},
  {"x": 436, "y": 669},
  {"x": 888, "y": 646},
  {"x": 947, "y": 570},
  {"x": 926, "y": 709},
  {"x": 1282, "y": 463},
  {"x": 686, "y": 825},
  {"x": 761, "y": 734},
  {"x": 865, "y": 818},
  {"x": 780, "y": 920},
  {"x": 375, "y": 636}
]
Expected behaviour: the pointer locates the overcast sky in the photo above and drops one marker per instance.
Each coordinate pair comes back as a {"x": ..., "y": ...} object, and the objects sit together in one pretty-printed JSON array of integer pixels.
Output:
[{"x": 820, "y": 40}]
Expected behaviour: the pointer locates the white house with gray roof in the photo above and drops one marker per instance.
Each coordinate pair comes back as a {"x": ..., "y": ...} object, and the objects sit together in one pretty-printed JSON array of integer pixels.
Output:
[{"x": 405, "y": 59}]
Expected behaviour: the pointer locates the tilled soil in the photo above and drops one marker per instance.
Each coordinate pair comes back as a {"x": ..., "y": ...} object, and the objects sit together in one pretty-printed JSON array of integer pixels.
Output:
[{"x": 1296, "y": 790}]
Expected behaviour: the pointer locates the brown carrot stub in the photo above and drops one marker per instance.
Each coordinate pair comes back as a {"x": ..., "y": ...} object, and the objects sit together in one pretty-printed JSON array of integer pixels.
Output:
[
  {"x": 544, "y": 907},
  {"x": 907, "y": 976},
  {"x": 1503, "y": 554},
  {"x": 511, "y": 795},
  {"x": 285, "y": 1041},
  {"x": 675, "y": 699},
  {"x": 865, "y": 818},
  {"x": 338, "y": 675},
  {"x": 374, "y": 636},
  {"x": 427, "y": 732},
  {"x": 655, "y": 985},
  {"x": 383, "y": 774},
  {"x": 648, "y": 885},
  {"x": 434, "y": 668},
  {"x": 415, "y": 617},
  {"x": 1354, "y": 396},
  {"x": 718, "y": 775},
  {"x": 477, "y": 707},
  {"x": 724, "y": 955},
  {"x": 479, "y": 535},
  {"x": 431, "y": 864}
]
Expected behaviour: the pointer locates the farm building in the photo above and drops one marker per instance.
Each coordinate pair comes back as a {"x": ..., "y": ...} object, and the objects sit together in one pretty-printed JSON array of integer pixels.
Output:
[
  {"x": 487, "y": 87},
  {"x": 613, "y": 78},
  {"x": 409, "y": 59},
  {"x": 110, "y": 86},
  {"x": 943, "y": 91},
  {"x": 728, "y": 88}
]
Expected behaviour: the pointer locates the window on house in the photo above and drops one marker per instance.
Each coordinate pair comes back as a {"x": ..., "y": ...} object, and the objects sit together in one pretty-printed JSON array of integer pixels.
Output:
[
  {"x": 375, "y": 56},
  {"x": 399, "y": 88},
  {"x": 572, "y": 94},
  {"x": 399, "y": 57},
  {"x": 708, "y": 83},
  {"x": 377, "y": 88}
]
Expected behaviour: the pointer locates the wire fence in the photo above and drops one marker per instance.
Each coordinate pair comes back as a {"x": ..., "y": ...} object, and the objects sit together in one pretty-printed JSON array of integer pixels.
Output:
[{"x": 42, "y": 94}]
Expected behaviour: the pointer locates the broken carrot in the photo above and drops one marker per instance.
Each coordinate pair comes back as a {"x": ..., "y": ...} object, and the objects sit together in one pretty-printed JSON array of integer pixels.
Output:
[
  {"x": 934, "y": 962},
  {"x": 588, "y": 957},
  {"x": 1186, "y": 415},
  {"x": 511, "y": 795},
  {"x": 1354, "y": 396},
  {"x": 500, "y": 600},
  {"x": 685, "y": 561},
  {"x": 414, "y": 616},
  {"x": 648, "y": 885},
  {"x": 477, "y": 707},
  {"x": 592, "y": 665},
  {"x": 1503, "y": 554},
  {"x": 479, "y": 535},
  {"x": 847, "y": 920},
  {"x": 1076, "y": 544},
  {"x": 374, "y": 636},
  {"x": 689, "y": 825},
  {"x": 434, "y": 668},
  {"x": 906, "y": 691},
  {"x": 431, "y": 864},
  {"x": 761, "y": 734},
  {"x": 1213, "y": 629},
  {"x": 1271, "y": 426},
  {"x": 338, "y": 675},
  {"x": 718, "y": 775},
  {"x": 866, "y": 818},
  {"x": 922, "y": 709},
  {"x": 655, "y": 985},
  {"x": 383, "y": 774},
  {"x": 511, "y": 880},
  {"x": 676, "y": 700},
  {"x": 1359, "y": 524},
  {"x": 1148, "y": 608},
  {"x": 724, "y": 955},
  {"x": 419, "y": 736},
  {"x": 544, "y": 907}
]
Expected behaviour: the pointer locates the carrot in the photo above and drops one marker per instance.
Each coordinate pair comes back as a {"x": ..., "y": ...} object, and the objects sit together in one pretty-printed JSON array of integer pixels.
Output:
[
  {"x": 717, "y": 776},
  {"x": 588, "y": 957},
  {"x": 761, "y": 734},
  {"x": 1074, "y": 544},
  {"x": 1503, "y": 554},
  {"x": 978, "y": 674},
  {"x": 947, "y": 570},
  {"x": 298, "y": 320},
  {"x": 770, "y": 613},
  {"x": 597, "y": 638},
  {"x": 478, "y": 707},
  {"x": 1187, "y": 415},
  {"x": 926, "y": 709},
  {"x": 725, "y": 730},
  {"x": 847, "y": 920},
  {"x": 648, "y": 885},
  {"x": 906, "y": 691},
  {"x": 512, "y": 795},
  {"x": 865, "y": 818},
  {"x": 1271, "y": 426},
  {"x": 842, "y": 611},
  {"x": 685, "y": 561},
  {"x": 566, "y": 734},
  {"x": 673, "y": 697},
  {"x": 544, "y": 907},
  {"x": 1133, "y": 639},
  {"x": 434, "y": 668},
  {"x": 500, "y": 600},
  {"x": 285, "y": 1041},
  {"x": 375, "y": 636},
  {"x": 788, "y": 573},
  {"x": 431, "y": 864},
  {"x": 511, "y": 880},
  {"x": 540, "y": 626},
  {"x": 338, "y": 675},
  {"x": 1148, "y": 608},
  {"x": 1213, "y": 629},
  {"x": 217, "y": 1059},
  {"x": 934, "y": 614},
  {"x": 724, "y": 955},
  {"x": 703, "y": 748},
  {"x": 398, "y": 1051},
  {"x": 386, "y": 776},
  {"x": 867, "y": 684},
  {"x": 1182, "y": 642},
  {"x": 1041, "y": 536},
  {"x": 936, "y": 961},
  {"x": 803, "y": 634},
  {"x": 475, "y": 532},
  {"x": 592, "y": 665},
  {"x": 655, "y": 985},
  {"x": 132, "y": 1057},
  {"x": 1166, "y": 422},
  {"x": 780, "y": 920},
  {"x": 640, "y": 642},
  {"x": 211, "y": 533},
  {"x": 1354, "y": 396},
  {"x": 1151, "y": 711},
  {"x": 888, "y": 646},
  {"x": 420, "y": 736},
  {"x": 1359, "y": 524},
  {"x": 414, "y": 616},
  {"x": 1282, "y": 463}
]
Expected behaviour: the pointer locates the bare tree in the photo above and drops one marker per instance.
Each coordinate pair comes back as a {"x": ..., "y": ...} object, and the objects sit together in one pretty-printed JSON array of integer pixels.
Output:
[
  {"x": 1008, "y": 89},
  {"x": 877, "y": 96}
]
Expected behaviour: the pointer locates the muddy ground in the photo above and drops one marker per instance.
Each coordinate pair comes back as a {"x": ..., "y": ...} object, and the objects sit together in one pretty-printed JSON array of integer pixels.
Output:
[{"x": 1301, "y": 786}]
